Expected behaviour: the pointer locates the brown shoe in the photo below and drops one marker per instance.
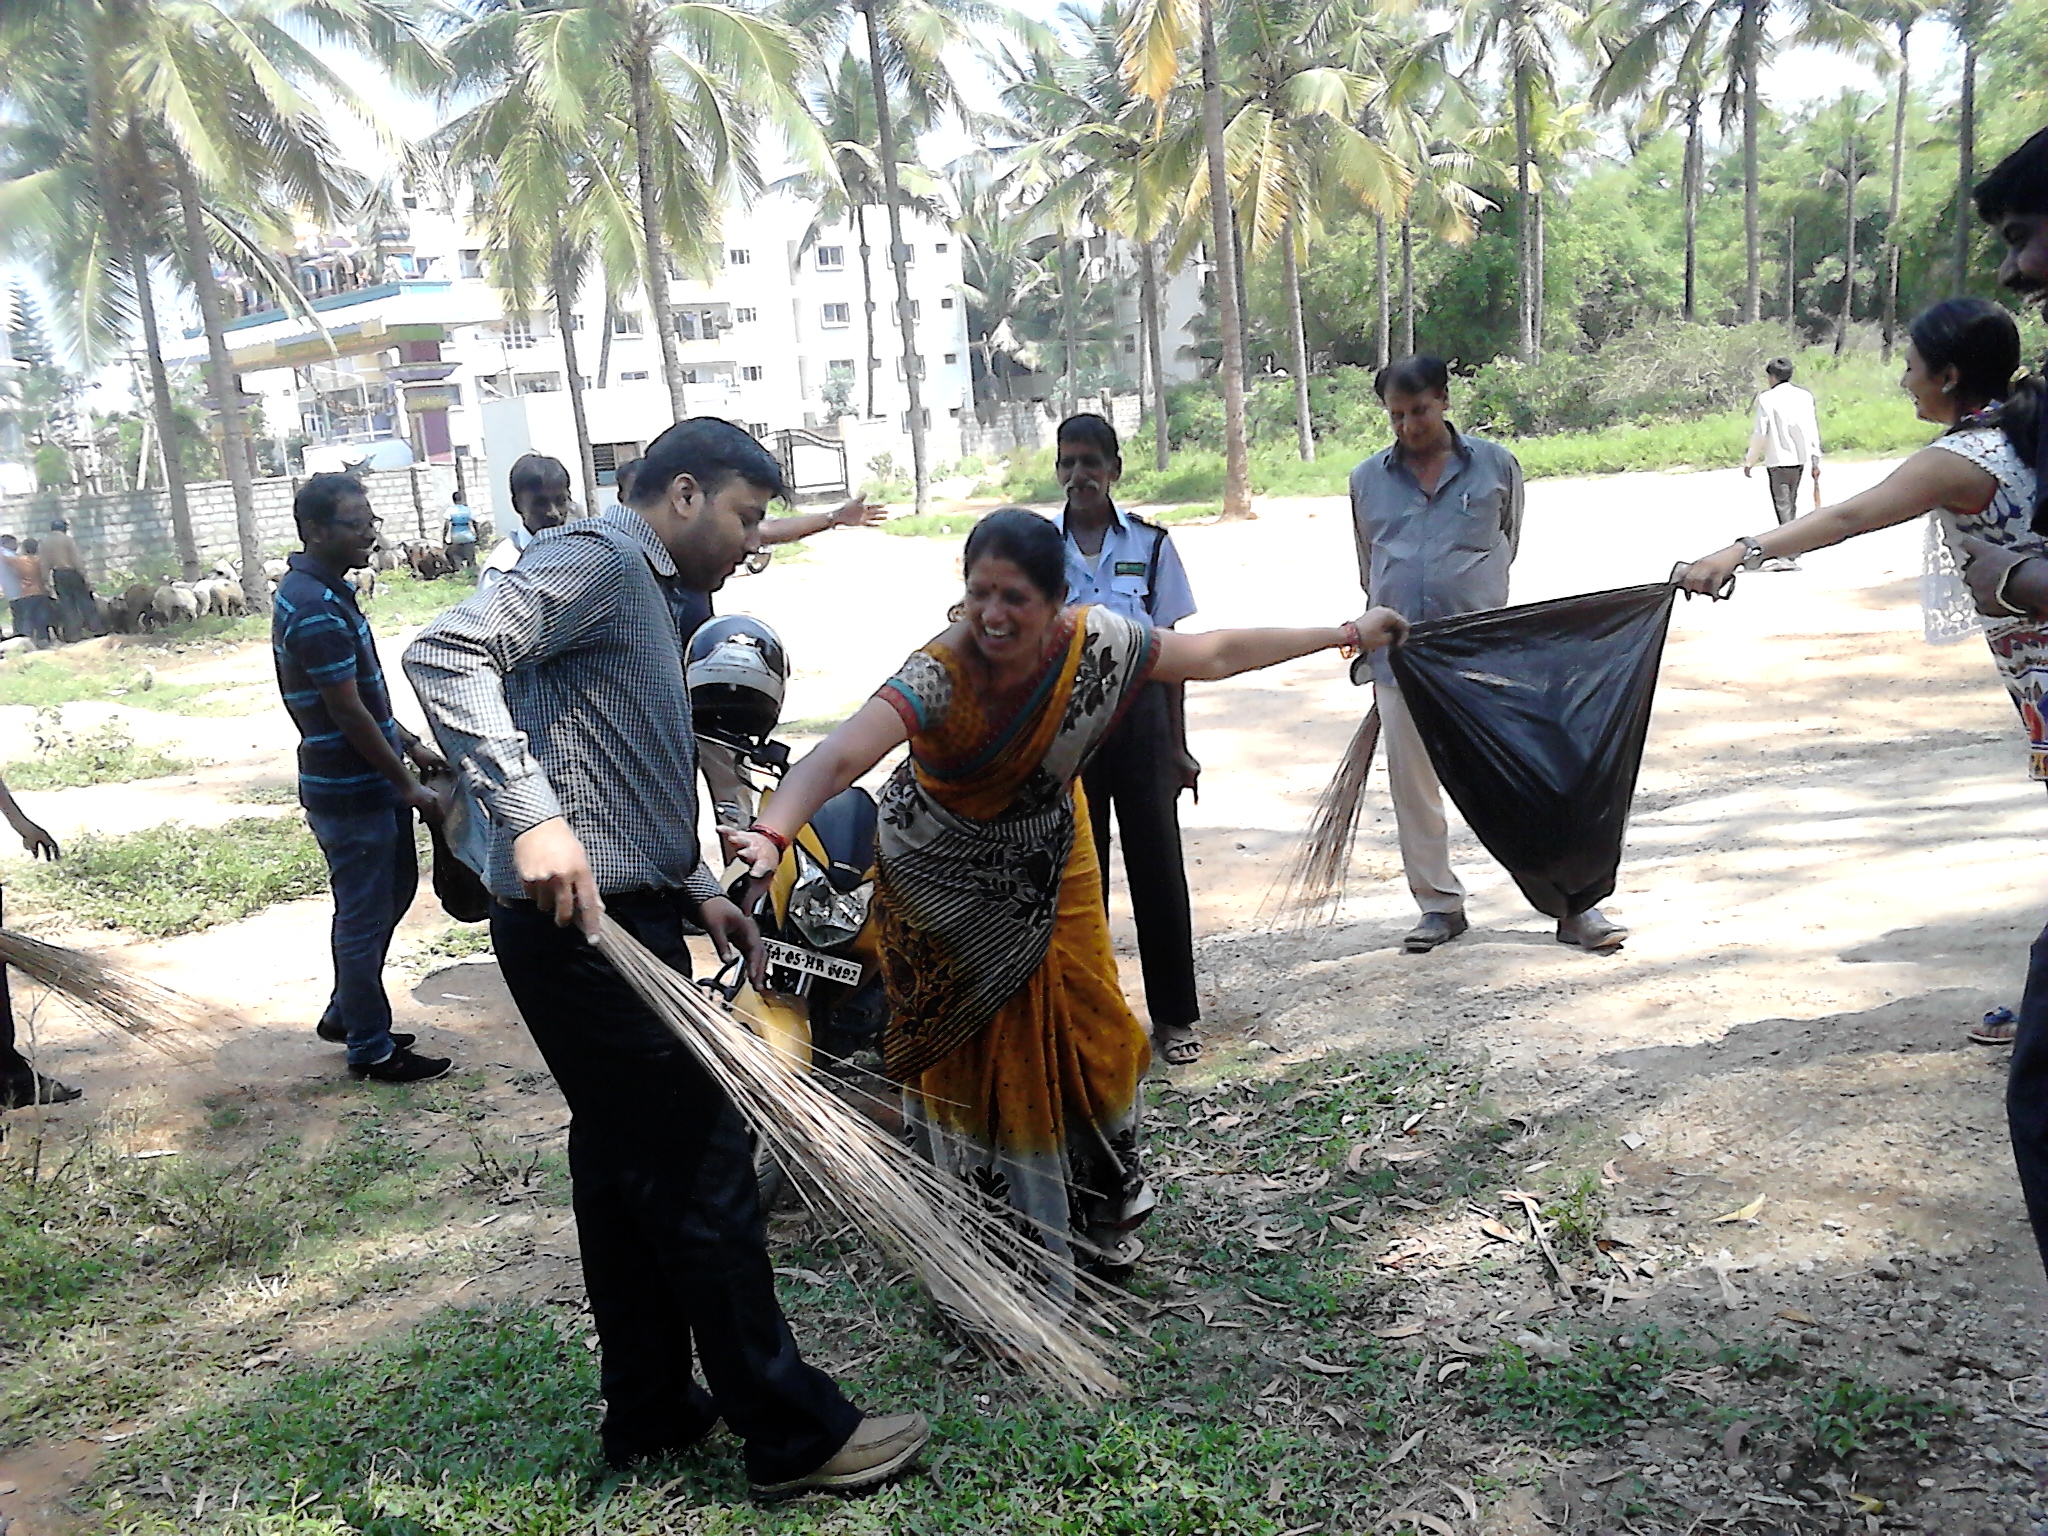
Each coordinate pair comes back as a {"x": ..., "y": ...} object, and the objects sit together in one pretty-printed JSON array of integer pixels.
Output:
[{"x": 877, "y": 1450}]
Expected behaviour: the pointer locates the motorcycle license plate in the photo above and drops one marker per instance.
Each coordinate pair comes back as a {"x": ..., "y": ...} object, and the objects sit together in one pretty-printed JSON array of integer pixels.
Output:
[{"x": 791, "y": 957}]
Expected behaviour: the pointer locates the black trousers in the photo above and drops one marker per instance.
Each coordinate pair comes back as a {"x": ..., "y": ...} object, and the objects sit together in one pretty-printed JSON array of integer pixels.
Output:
[
  {"x": 1784, "y": 480},
  {"x": 2026, "y": 1095},
  {"x": 1134, "y": 774},
  {"x": 667, "y": 1213}
]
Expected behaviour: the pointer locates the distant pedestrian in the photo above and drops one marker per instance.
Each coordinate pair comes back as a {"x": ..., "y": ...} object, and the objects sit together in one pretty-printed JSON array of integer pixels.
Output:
[
  {"x": 1438, "y": 519},
  {"x": 32, "y": 610},
  {"x": 459, "y": 533},
  {"x": 1785, "y": 439},
  {"x": 64, "y": 574},
  {"x": 20, "y": 1084},
  {"x": 358, "y": 794},
  {"x": 10, "y": 583},
  {"x": 540, "y": 500}
]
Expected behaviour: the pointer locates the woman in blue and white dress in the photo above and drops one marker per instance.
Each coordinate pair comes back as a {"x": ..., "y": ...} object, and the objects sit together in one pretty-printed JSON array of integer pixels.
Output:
[{"x": 1977, "y": 480}]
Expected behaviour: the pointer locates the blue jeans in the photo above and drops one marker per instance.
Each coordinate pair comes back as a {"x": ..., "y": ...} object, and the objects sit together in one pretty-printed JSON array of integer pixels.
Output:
[{"x": 374, "y": 870}]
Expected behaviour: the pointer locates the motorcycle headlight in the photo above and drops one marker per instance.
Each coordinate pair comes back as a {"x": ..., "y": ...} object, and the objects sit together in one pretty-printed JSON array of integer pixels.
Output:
[{"x": 824, "y": 915}]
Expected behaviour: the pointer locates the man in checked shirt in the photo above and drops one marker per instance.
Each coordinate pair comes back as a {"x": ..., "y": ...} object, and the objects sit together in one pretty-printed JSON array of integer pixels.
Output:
[{"x": 560, "y": 692}]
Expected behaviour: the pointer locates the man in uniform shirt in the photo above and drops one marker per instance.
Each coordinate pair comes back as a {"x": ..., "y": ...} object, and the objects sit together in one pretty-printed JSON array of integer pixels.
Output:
[
  {"x": 1438, "y": 518},
  {"x": 1785, "y": 439},
  {"x": 1131, "y": 566},
  {"x": 561, "y": 693}
]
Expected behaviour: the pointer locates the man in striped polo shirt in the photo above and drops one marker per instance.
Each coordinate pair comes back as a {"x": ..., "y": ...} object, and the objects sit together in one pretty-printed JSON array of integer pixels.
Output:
[{"x": 353, "y": 780}]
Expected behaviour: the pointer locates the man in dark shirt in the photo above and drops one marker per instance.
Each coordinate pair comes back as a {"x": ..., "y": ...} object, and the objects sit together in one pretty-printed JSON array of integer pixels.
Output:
[
  {"x": 358, "y": 793},
  {"x": 561, "y": 692}
]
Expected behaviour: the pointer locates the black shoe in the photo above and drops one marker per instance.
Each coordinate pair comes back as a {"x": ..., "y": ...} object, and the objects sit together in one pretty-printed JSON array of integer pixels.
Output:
[
  {"x": 1434, "y": 929},
  {"x": 624, "y": 1451},
  {"x": 337, "y": 1034},
  {"x": 401, "y": 1066},
  {"x": 1592, "y": 930},
  {"x": 25, "y": 1089}
]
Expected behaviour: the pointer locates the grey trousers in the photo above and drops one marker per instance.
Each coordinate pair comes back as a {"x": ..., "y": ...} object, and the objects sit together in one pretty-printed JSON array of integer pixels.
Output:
[{"x": 1418, "y": 807}]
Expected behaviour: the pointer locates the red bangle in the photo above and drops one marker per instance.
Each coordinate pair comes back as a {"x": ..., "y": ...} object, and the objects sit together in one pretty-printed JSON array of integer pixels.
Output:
[
  {"x": 781, "y": 843},
  {"x": 1353, "y": 642}
]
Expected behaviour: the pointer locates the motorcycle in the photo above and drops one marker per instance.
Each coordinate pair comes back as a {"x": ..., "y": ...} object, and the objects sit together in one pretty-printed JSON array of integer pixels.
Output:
[{"x": 822, "y": 1005}]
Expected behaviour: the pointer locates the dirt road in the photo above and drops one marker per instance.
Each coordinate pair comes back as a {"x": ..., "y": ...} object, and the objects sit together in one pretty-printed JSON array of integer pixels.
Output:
[{"x": 1833, "y": 870}]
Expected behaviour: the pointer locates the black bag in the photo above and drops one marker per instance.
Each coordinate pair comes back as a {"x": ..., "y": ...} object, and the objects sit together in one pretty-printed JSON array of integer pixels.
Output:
[{"x": 1535, "y": 719}]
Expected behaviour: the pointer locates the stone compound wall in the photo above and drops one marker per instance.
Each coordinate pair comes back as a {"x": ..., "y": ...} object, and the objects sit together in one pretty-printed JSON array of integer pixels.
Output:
[{"x": 128, "y": 533}]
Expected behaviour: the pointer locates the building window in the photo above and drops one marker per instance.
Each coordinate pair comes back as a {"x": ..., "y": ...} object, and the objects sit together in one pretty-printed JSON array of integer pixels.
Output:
[
  {"x": 920, "y": 367},
  {"x": 634, "y": 376},
  {"x": 831, "y": 258},
  {"x": 519, "y": 334},
  {"x": 628, "y": 322},
  {"x": 925, "y": 413},
  {"x": 952, "y": 357},
  {"x": 539, "y": 383},
  {"x": 940, "y": 248},
  {"x": 686, "y": 324},
  {"x": 758, "y": 428},
  {"x": 737, "y": 257},
  {"x": 835, "y": 314},
  {"x": 906, "y": 254},
  {"x": 750, "y": 373},
  {"x": 840, "y": 368},
  {"x": 675, "y": 273},
  {"x": 471, "y": 263},
  {"x": 745, "y": 316},
  {"x": 917, "y": 309},
  {"x": 1130, "y": 344},
  {"x": 945, "y": 303},
  {"x": 953, "y": 410}
]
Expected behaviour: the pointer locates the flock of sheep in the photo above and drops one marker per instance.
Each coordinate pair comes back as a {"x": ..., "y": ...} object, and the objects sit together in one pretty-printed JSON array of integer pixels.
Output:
[{"x": 144, "y": 606}]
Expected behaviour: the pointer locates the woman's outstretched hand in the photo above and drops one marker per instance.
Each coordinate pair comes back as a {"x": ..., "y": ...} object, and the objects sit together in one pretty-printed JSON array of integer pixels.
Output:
[
  {"x": 1710, "y": 575},
  {"x": 756, "y": 853},
  {"x": 1379, "y": 628}
]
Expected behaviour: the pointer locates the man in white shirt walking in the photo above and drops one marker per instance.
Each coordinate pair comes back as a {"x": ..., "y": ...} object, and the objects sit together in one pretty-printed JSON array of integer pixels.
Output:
[{"x": 1785, "y": 440}]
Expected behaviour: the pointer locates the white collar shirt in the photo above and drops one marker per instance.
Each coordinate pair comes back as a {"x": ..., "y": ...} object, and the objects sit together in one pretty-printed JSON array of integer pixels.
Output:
[
  {"x": 1123, "y": 576},
  {"x": 1787, "y": 429}
]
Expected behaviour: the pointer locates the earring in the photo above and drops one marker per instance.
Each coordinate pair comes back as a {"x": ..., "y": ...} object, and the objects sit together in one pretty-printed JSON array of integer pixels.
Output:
[{"x": 956, "y": 613}]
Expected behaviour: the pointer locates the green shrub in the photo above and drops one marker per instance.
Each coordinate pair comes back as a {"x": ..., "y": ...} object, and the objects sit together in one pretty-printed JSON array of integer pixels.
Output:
[{"x": 177, "y": 879}]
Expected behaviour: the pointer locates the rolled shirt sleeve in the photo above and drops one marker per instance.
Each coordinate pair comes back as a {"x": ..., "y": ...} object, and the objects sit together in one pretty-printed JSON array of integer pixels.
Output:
[{"x": 1173, "y": 599}]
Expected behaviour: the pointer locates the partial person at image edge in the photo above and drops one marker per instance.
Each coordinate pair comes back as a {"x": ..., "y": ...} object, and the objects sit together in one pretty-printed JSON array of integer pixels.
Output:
[
  {"x": 358, "y": 794},
  {"x": 1438, "y": 519},
  {"x": 20, "y": 1084}
]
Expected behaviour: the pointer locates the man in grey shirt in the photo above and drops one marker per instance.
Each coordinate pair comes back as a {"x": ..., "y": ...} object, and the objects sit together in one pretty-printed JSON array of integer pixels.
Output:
[
  {"x": 560, "y": 693},
  {"x": 1438, "y": 518}
]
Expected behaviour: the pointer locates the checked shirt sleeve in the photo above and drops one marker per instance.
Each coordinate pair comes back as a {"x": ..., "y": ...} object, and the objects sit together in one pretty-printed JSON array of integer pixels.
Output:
[{"x": 550, "y": 603}]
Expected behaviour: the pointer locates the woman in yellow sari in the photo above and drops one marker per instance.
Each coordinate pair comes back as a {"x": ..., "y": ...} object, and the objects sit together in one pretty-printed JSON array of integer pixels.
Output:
[{"x": 1020, "y": 1061}]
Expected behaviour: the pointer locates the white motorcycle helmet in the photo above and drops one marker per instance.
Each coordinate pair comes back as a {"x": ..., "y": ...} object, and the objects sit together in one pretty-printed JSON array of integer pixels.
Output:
[{"x": 737, "y": 670}]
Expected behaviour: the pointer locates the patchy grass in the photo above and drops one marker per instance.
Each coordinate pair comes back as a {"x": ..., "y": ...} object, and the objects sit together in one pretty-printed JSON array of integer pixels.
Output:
[
  {"x": 932, "y": 525},
  {"x": 455, "y": 941},
  {"x": 176, "y": 878},
  {"x": 68, "y": 759},
  {"x": 76, "y": 675},
  {"x": 1288, "y": 1376},
  {"x": 265, "y": 794},
  {"x": 402, "y": 598}
]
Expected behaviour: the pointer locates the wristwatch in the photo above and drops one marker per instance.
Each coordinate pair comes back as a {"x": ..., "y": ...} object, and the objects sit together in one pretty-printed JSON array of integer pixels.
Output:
[{"x": 1753, "y": 555}]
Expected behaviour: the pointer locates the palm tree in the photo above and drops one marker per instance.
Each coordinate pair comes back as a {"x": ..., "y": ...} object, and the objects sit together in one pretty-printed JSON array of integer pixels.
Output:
[
  {"x": 1530, "y": 38},
  {"x": 1153, "y": 41},
  {"x": 1903, "y": 15},
  {"x": 1971, "y": 20},
  {"x": 1846, "y": 118}
]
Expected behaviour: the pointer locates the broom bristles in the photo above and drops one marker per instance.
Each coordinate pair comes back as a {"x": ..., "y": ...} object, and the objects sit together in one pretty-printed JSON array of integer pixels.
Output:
[
  {"x": 1314, "y": 885},
  {"x": 107, "y": 995},
  {"x": 969, "y": 1256}
]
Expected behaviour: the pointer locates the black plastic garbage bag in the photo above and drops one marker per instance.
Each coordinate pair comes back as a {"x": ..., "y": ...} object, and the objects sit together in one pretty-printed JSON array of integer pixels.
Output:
[{"x": 1535, "y": 719}]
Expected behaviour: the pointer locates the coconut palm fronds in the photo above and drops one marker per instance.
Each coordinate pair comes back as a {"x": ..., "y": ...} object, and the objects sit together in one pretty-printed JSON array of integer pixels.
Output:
[
  {"x": 1024, "y": 1303},
  {"x": 1314, "y": 885},
  {"x": 110, "y": 996}
]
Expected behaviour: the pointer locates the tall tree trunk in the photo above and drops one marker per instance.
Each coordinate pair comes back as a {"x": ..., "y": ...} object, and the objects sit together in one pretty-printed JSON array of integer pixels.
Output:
[
  {"x": 1244, "y": 295},
  {"x": 1966, "y": 156},
  {"x": 227, "y": 393},
  {"x": 1155, "y": 347},
  {"x": 1891, "y": 218},
  {"x": 1407, "y": 287},
  {"x": 163, "y": 408},
  {"x": 1791, "y": 269},
  {"x": 604, "y": 342},
  {"x": 1070, "y": 328},
  {"x": 1525, "y": 225},
  {"x": 1237, "y": 484},
  {"x": 564, "y": 287},
  {"x": 640, "y": 86},
  {"x": 1848, "y": 237},
  {"x": 1752, "y": 229},
  {"x": 1538, "y": 275},
  {"x": 1297, "y": 337},
  {"x": 867, "y": 300},
  {"x": 885, "y": 127},
  {"x": 1383, "y": 336},
  {"x": 1694, "y": 175}
]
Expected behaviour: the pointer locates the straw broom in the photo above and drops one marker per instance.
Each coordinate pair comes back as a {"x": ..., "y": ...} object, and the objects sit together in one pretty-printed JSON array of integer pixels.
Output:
[
  {"x": 1314, "y": 885},
  {"x": 111, "y": 997},
  {"x": 966, "y": 1254}
]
